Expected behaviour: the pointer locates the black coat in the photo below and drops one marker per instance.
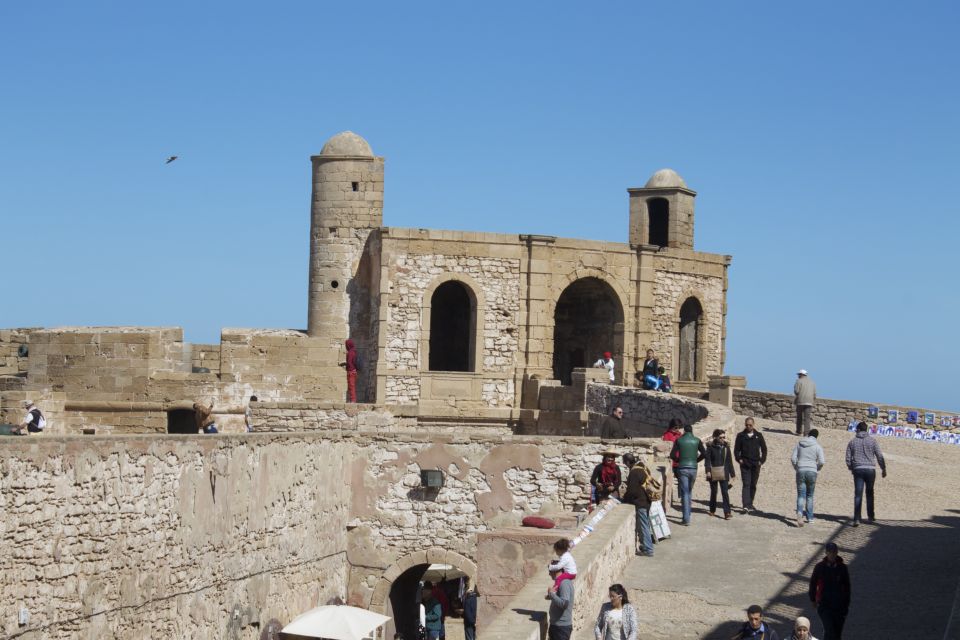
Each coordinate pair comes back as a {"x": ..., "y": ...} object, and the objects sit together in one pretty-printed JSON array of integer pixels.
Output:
[
  {"x": 830, "y": 586},
  {"x": 750, "y": 451},
  {"x": 719, "y": 456}
]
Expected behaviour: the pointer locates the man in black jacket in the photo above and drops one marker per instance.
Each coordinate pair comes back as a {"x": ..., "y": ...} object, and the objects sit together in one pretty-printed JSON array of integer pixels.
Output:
[
  {"x": 750, "y": 450},
  {"x": 830, "y": 592}
]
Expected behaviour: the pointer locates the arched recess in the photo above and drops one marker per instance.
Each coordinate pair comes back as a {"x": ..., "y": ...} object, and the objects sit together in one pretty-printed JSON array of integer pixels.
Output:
[
  {"x": 691, "y": 329},
  {"x": 588, "y": 319},
  {"x": 408, "y": 569},
  {"x": 457, "y": 283}
]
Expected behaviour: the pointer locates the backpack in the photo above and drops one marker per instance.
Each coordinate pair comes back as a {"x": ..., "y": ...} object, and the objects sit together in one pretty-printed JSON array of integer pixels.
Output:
[{"x": 652, "y": 486}]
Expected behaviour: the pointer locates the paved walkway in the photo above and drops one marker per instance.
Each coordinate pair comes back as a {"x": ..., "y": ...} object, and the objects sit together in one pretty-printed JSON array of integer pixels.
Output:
[{"x": 904, "y": 569}]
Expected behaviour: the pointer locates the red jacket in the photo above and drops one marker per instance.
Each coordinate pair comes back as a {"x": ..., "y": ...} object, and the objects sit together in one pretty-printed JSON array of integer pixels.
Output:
[{"x": 351, "y": 356}]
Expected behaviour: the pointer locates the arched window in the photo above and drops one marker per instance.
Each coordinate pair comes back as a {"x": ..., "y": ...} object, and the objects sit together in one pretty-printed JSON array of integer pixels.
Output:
[
  {"x": 453, "y": 320},
  {"x": 691, "y": 317},
  {"x": 658, "y": 216}
]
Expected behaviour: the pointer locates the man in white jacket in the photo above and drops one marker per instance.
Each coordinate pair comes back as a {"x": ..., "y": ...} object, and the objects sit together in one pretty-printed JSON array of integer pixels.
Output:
[{"x": 807, "y": 459}]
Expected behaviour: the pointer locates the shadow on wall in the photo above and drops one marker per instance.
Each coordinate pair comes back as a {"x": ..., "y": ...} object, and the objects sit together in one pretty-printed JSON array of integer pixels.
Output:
[{"x": 903, "y": 577}]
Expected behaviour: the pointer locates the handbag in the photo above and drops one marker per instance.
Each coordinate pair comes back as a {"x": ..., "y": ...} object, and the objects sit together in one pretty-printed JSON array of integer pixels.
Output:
[{"x": 719, "y": 473}]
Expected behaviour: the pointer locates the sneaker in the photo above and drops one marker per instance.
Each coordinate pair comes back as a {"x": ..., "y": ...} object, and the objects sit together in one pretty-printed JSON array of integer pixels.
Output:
[
  {"x": 871, "y": 520},
  {"x": 810, "y": 520},
  {"x": 800, "y": 520},
  {"x": 856, "y": 523}
]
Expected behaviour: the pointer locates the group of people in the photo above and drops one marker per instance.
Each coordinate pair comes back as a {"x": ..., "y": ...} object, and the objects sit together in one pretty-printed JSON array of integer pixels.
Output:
[
  {"x": 652, "y": 377},
  {"x": 435, "y": 606}
]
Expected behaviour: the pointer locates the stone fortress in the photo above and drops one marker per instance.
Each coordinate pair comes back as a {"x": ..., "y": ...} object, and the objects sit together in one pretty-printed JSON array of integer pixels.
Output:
[{"x": 475, "y": 351}]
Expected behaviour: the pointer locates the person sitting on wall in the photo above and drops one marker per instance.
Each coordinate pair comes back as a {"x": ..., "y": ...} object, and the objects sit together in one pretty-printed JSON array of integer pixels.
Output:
[
  {"x": 205, "y": 421},
  {"x": 606, "y": 362},
  {"x": 665, "y": 385},
  {"x": 33, "y": 421},
  {"x": 606, "y": 477}
]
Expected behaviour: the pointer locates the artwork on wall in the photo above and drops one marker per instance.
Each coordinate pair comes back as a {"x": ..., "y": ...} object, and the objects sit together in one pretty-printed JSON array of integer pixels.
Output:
[
  {"x": 946, "y": 421},
  {"x": 913, "y": 417},
  {"x": 852, "y": 426},
  {"x": 929, "y": 418},
  {"x": 892, "y": 416},
  {"x": 873, "y": 412}
]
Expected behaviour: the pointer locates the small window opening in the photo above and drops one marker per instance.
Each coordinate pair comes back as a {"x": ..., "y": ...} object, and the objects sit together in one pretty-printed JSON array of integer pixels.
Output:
[
  {"x": 355, "y": 185},
  {"x": 181, "y": 421},
  {"x": 335, "y": 284},
  {"x": 658, "y": 211}
]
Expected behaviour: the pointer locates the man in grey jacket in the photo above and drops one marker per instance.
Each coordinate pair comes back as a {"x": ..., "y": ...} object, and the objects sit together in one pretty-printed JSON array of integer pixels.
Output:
[
  {"x": 861, "y": 453},
  {"x": 561, "y": 609},
  {"x": 804, "y": 396},
  {"x": 807, "y": 459}
]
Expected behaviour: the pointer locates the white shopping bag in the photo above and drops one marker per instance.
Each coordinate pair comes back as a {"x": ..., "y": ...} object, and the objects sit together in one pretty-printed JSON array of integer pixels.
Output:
[{"x": 658, "y": 520}]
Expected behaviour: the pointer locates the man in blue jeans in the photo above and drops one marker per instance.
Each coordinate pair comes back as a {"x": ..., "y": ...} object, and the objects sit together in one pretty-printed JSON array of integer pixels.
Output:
[
  {"x": 688, "y": 451},
  {"x": 636, "y": 494},
  {"x": 807, "y": 459},
  {"x": 861, "y": 453}
]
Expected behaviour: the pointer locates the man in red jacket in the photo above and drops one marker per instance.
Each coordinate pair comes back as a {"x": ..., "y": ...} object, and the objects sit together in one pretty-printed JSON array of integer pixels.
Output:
[{"x": 830, "y": 591}]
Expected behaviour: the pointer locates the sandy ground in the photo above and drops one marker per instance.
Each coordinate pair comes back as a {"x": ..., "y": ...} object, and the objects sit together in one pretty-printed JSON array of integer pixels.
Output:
[{"x": 904, "y": 568}]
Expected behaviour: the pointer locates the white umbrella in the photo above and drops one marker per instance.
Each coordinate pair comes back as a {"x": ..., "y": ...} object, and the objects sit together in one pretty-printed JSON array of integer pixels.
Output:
[{"x": 336, "y": 622}]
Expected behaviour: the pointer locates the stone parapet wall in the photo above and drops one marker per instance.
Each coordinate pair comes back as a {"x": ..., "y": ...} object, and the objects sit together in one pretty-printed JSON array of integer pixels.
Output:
[
  {"x": 312, "y": 416},
  {"x": 644, "y": 410},
  {"x": 205, "y": 356},
  {"x": 827, "y": 414},
  {"x": 177, "y": 537}
]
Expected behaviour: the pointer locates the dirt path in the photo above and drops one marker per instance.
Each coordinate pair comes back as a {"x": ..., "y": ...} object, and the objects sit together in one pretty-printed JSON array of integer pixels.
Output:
[{"x": 904, "y": 569}]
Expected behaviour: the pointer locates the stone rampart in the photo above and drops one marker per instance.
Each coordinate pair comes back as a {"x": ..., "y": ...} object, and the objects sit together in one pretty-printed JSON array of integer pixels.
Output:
[
  {"x": 177, "y": 537},
  {"x": 827, "y": 414},
  {"x": 12, "y": 343},
  {"x": 654, "y": 409}
]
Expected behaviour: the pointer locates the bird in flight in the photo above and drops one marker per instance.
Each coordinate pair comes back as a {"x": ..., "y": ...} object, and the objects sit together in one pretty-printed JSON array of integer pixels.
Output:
[{"x": 171, "y": 159}]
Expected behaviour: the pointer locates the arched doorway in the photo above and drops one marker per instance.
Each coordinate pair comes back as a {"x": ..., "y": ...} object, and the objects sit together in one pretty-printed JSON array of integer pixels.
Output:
[
  {"x": 452, "y": 328},
  {"x": 587, "y": 321},
  {"x": 691, "y": 314}
]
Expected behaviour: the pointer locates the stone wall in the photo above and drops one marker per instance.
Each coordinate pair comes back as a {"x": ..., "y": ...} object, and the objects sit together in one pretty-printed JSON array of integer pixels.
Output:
[
  {"x": 204, "y": 356},
  {"x": 11, "y": 340},
  {"x": 177, "y": 537},
  {"x": 312, "y": 416},
  {"x": 647, "y": 409},
  {"x": 827, "y": 414},
  {"x": 495, "y": 285},
  {"x": 670, "y": 291}
]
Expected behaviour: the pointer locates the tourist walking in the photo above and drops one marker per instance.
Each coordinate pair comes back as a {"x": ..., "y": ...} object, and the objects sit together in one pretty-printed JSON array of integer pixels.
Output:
[
  {"x": 755, "y": 627},
  {"x": 801, "y": 630},
  {"x": 470, "y": 612},
  {"x": 688, "y": 451},
  {"x": 351, "y": 367},
  {"x": 719, "y": 464},
  {"x": 560, "y": 616},
  {"x": 804, "y": 396},
  {"x": 606, "y": 477},
  {"x": 672, "y": 434},
  {"x": 618, "y": 618},
  {"x": 606, "y": 362},
  {"x": 807, "y": 459},
  {"x": 636, "y": 494},
  {"x": 433, "y": 618},
  {"x": 862, "y": 451},
  {"x": 750, "y": 452},
  {"x": 830, "y": 591}
]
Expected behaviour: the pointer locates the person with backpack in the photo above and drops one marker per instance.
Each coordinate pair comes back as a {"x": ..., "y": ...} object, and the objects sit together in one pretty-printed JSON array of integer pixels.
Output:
[
  {"x": 33, "y": 421},
  {"x": 636, "y": 494}
]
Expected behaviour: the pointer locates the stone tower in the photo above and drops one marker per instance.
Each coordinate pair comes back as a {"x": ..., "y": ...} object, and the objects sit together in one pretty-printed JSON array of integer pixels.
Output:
[
  {"x": 346, "y": 205},
  {"x": 661, "y": 213}
]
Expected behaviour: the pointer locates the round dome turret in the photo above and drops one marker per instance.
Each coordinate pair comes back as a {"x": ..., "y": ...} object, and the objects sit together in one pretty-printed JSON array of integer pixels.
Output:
[
  {"x": 665, "y": 178},
  {"x": 347, "y": 143}
]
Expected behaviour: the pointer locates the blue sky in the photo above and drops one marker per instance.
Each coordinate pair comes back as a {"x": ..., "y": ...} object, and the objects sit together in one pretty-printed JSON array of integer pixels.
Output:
[{"x": 822, "y": 139}]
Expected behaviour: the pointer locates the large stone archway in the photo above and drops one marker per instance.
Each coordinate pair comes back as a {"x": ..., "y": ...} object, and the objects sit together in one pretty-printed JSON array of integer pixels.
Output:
[
  {"x": 402, "y": 568},
  {"x": 587, "y": 320}
]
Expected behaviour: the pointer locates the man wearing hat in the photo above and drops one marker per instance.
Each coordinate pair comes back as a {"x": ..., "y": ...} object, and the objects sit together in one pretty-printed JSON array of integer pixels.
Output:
[
  {"x": 606, "y": 362},
  {"x": 804, "y": 395},
  {"x": 33, "y": 421},
  {"x": 606, "y": 477}
]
